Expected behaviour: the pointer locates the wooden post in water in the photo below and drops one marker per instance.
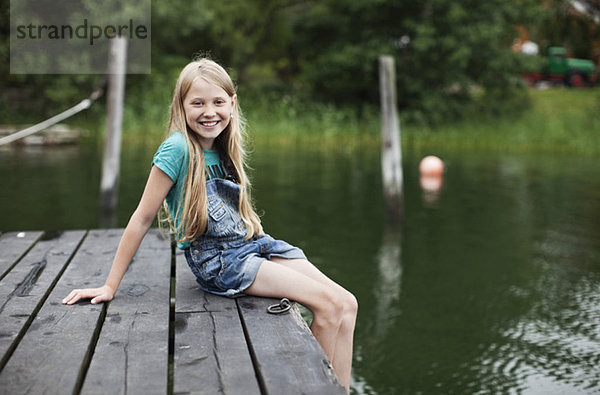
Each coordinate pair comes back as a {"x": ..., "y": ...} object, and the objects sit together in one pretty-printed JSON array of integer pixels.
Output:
[
  {"x": 109, "y": 184},
  {"x": 391, "y": 153}
]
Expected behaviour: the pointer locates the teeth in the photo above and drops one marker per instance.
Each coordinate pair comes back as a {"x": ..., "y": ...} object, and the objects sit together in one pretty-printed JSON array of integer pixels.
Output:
[{"x": 211, "y": 123}]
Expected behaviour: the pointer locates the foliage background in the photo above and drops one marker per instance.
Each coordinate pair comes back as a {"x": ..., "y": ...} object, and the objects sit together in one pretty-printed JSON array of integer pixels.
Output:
[{"x": 453, "y": 57}]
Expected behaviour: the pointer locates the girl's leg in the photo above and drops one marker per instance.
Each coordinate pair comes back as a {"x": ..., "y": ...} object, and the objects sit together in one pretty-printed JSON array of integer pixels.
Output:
[
  {"x": 334, "y": 309},
  {"x": 342, "y": 357}
]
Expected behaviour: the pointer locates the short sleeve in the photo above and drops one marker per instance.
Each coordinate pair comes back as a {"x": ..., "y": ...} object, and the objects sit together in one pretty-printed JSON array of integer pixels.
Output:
[{"x": 171, "y": 155}]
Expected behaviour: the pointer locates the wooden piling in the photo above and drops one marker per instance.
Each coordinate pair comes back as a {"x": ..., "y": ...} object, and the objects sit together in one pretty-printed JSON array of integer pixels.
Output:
[
  {"x": 391, "y": 153},
  {"x": 117, "y": 64}
]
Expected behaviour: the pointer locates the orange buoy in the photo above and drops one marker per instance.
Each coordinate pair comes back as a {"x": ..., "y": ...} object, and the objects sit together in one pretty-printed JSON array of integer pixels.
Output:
[
  {"x": 431, "y": 166},
  {"x": 431, "y": 169}
]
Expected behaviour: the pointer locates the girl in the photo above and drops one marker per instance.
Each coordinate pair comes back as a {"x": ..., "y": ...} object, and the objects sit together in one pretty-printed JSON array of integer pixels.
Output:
[{"x": 199, "y": 173}]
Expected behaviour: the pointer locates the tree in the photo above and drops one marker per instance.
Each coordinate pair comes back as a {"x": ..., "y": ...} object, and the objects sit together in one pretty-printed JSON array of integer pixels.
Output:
[
  {"x": 445, "y": 50},
  {"x": 572, "y": 24},
  {"x": 452, "y": 56}
]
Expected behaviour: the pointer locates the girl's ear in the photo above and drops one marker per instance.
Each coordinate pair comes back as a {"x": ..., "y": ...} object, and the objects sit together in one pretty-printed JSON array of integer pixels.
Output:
[{"x": 233, "y": 99}]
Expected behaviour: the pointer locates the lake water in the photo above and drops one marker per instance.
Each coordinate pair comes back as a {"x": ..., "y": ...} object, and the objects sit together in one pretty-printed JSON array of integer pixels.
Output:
[{"x": 490, "y": 285}]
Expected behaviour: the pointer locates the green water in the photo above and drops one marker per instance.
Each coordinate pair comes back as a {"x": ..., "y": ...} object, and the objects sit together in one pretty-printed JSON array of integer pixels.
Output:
[{"x": 491, "y": 285}]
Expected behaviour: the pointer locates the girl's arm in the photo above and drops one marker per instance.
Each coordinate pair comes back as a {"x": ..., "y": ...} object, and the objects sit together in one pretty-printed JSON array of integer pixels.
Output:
[{"x": 156, "y": 190}]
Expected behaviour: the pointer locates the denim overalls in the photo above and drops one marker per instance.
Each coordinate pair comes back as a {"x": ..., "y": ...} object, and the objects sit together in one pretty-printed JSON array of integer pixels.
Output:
[{"x": 222, "y": 261}]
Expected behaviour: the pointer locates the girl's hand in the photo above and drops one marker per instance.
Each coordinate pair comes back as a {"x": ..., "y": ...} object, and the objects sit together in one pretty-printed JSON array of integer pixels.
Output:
[{"x": 102, "y": 294}]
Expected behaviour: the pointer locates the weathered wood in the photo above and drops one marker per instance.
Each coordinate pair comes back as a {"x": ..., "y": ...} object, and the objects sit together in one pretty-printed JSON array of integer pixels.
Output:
[
  {"x": 220, "y": 345},
  {"x": 25, "y": 287},
  {"x": 287, "y": 357},
  {"x": 52, "y": 356},
  {"x": 56, "y": 134},
  {"x": 210, "y": 353},
  {"x": 131, "y": 354},
  {"x": 12, "y": 247},
  {"x": 117, "y": 67},
  {"x": 189, "y": 298},
  {"x": 391, "y": 152}
]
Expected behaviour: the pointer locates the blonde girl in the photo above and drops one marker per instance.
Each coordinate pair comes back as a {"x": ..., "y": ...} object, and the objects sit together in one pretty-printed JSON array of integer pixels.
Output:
[{"x": 198, "y": 173}]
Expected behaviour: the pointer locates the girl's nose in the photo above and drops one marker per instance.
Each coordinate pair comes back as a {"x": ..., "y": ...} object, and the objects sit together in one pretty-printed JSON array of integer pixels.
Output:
[{"x": 209, "y": 110}]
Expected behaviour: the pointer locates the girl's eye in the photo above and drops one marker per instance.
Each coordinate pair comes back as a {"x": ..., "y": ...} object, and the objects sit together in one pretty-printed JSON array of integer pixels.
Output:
[{"x": 197, "y": 103}]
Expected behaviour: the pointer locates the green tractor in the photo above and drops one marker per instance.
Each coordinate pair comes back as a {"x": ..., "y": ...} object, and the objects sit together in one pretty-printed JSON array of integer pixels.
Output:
[{"x": 569, "y": 71}]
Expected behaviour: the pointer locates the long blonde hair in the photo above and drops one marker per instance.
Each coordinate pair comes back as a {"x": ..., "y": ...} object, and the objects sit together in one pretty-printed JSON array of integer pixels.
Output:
[{"x": 193, "y": 215}]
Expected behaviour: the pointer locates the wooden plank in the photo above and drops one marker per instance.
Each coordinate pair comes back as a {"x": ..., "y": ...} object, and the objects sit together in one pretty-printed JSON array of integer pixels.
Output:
[
  {"x": 26, "y": 286},
  {"x": 12, "y": 247},
  {"x": 132, "y": 353},
  {"x": 210, "y": 353},
  {"x": 288, "y": 358},
  {"x": 52, "y": 356},
  {"x": 189, "y": 298}
]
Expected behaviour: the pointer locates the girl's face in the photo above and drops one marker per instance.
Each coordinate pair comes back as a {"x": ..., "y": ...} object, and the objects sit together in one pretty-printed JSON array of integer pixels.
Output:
[{"x": 207, "y": 110}]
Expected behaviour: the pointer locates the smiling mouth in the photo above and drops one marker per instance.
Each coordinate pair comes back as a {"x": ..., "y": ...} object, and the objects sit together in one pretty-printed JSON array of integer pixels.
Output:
[{"x": 209, "y": 124}]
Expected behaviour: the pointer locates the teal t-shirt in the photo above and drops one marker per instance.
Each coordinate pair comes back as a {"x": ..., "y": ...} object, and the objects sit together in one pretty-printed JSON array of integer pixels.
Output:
[
  {"x": 172, "y": 157},
  {"x": 214, "y": 167}
]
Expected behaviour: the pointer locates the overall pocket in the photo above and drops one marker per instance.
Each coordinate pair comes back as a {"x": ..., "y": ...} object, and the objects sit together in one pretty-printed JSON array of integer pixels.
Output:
[
  {"x": 223, "y": 219},
  {"x": 207, "y": 264},
  {"x": 216, "y": 208}
]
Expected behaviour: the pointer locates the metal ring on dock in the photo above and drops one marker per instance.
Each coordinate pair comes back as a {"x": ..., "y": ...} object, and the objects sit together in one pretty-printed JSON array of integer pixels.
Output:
[{"x": 281, "y": 307}]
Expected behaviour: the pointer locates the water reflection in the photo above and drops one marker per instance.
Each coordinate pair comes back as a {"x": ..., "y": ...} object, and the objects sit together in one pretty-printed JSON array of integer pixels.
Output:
[
  {"x": 387, "y": 286},
  {"x": 46, "y": 188},
  {"x": 554, "y": 350},
  {"x": 550, "y": 341},
  {"x": 431, "y": 187},
  {"x": 495, "y": 290}
]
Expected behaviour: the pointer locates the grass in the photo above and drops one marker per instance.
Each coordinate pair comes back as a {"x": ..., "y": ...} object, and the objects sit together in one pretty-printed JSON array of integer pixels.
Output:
[
  {"x": 559, "y": 120},
  {"x": 287, "y": 121}
]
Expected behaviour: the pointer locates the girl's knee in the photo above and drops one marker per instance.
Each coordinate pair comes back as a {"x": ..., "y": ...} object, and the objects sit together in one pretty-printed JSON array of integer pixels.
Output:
[
  {"x": 350, "y": 309},
  {"x": 350, "y": 304},
  {"x": 329, "y": 308},
  {"x": 336, "y": 307}
]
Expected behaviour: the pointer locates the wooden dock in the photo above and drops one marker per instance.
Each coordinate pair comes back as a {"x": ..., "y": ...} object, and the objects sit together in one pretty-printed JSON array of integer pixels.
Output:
[
  {"x": 161, "y": 334},
  {"x": 58, "y": 134}
]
